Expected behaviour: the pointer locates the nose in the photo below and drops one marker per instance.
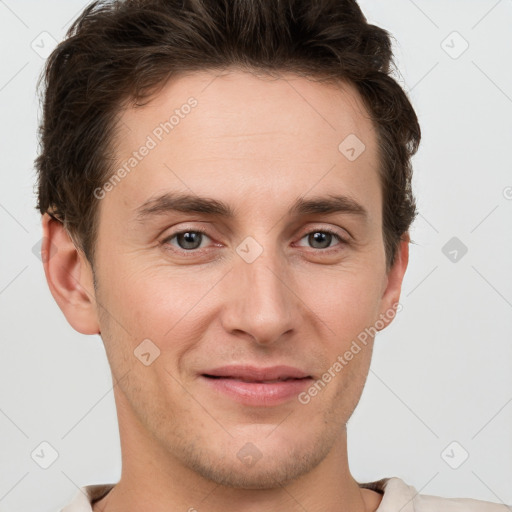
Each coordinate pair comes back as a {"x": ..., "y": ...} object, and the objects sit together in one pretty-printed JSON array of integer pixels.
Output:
[{"x": 260, "y": 302}]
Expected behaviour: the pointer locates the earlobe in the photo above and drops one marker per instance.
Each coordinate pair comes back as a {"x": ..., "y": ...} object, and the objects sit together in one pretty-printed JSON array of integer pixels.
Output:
[
  {"x": 69, "y": 277},
  {"x": 391, "y": 295}
]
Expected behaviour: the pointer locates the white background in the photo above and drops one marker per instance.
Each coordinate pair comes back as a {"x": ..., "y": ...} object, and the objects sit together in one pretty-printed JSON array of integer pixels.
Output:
[{"x": 442, "y": 372}]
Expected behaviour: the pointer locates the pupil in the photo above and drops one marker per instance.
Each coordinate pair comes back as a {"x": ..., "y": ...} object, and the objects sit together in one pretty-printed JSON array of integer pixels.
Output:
[
  {"x": 188, "y": 240},
  {"x": 192, "y": 239},
  {"x": 321, "y": 238}
]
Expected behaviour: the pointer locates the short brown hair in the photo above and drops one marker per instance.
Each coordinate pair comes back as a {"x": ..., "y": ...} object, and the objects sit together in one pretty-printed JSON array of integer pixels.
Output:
[{"x": 121, "y": 51}]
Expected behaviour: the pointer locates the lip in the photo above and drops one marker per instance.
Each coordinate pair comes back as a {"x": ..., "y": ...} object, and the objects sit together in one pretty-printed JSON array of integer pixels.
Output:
[
  {"x": 250, "y": 385},
  {"x": 253, "y": 373}
]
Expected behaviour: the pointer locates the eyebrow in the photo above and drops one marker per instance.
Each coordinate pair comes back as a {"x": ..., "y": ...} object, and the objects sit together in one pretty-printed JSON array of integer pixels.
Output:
[{"x": 186, "y": 203}]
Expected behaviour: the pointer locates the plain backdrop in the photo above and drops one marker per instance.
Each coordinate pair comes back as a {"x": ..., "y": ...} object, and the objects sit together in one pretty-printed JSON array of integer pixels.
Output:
[{"x": 437, "y": 407}]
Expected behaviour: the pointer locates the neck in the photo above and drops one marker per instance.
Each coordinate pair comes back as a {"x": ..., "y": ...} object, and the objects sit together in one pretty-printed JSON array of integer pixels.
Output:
[{"x": 152, "y": 476}]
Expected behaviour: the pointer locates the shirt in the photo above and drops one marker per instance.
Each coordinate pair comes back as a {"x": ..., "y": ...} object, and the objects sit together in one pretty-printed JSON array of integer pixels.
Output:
[{"x": 397, "y": 496}]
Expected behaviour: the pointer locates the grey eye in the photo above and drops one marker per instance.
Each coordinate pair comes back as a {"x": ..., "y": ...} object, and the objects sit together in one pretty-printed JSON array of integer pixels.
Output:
[{"x": 188, "y": 240}]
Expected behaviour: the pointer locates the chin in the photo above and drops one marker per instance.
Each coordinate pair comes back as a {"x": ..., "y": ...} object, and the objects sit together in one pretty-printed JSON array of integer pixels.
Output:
[
  {"x": 263, "y": 475},
  {"x": 267, "y": 462}
]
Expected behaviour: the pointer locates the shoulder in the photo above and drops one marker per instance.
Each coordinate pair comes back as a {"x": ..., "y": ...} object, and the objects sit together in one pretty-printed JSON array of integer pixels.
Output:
[
  {"x": 84, "y": 498},
  {"x": 398, "y": 495},
  {"x": 426, "y": 503}
]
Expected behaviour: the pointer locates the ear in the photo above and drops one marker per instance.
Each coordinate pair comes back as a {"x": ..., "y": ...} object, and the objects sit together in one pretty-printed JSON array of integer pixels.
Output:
[
  {"x": 393, "y": 284},
  {"x": 69, "y": 276}
]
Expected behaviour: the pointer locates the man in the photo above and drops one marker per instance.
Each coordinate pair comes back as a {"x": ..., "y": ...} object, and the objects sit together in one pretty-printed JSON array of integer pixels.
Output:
[{"x": 226, "y": 198}]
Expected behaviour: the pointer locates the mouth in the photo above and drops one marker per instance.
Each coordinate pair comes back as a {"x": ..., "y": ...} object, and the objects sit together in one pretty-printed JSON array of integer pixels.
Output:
[
  {"x": 255, "y": 381},
  {"x": 250, "y": 373},
  {"x": 257, "y": 387}
]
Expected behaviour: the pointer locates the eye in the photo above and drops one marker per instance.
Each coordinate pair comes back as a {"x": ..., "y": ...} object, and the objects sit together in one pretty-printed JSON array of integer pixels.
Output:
[
  {"x": 188, "y": 240},
  {"x": 322, "y": 238},
  {"x": 191, "y": 240}
]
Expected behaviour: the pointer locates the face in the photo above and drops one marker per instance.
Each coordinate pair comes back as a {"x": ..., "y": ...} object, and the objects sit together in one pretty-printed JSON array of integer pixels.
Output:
[{"x": 268, "y": 273}]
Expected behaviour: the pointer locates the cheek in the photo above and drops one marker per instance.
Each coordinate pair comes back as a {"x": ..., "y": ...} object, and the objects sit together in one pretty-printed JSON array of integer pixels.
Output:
[
  {"x": 172, "y": 309},
  {"x": 153, "y": 299},
  {"x": 346, "y": 300}
]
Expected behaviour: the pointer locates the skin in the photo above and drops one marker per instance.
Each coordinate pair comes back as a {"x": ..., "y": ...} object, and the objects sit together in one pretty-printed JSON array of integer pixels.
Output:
[{"x": 257, "y": 144}]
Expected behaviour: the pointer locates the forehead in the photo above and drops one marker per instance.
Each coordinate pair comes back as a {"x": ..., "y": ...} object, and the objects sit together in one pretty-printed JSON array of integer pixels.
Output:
[{"x": 235, "y": 133}]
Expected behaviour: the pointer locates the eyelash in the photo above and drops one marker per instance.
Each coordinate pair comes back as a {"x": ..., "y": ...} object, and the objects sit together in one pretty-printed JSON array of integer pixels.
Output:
[{"x": 192, "y": 252}]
